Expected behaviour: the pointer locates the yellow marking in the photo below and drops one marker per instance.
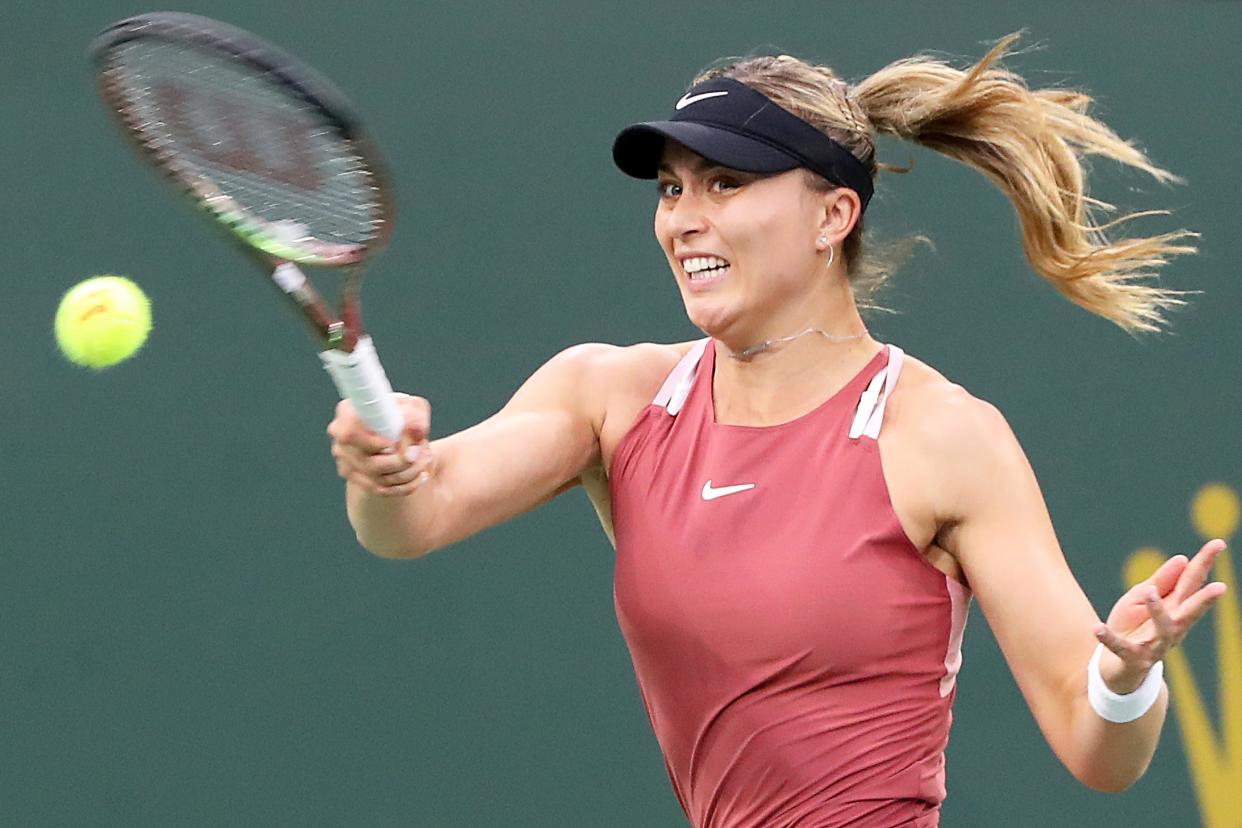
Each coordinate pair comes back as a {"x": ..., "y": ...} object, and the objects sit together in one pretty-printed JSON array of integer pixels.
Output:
[
  {"x": 1214, "y": 511},
  {"x": 1214, "y": 757}
]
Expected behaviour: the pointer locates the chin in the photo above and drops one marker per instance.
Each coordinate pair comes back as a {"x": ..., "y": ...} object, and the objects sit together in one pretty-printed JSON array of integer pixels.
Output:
[{"x": 710, "y": 318}]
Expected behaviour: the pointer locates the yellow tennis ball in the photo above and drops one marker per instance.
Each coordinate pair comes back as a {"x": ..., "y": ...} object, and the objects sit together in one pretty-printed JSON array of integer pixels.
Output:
[{"x": 102, "y": 321}]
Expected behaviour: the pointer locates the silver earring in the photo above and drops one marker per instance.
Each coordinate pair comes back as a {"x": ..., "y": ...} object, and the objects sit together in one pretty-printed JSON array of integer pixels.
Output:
[{"x": 832, "y": 252}]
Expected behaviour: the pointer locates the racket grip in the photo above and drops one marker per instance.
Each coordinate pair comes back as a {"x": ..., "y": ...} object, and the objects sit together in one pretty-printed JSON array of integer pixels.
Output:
[{"x": 360, "y": 378}]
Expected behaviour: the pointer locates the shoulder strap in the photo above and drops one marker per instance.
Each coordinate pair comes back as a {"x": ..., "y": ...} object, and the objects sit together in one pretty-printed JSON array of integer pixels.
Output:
[
  {"x": 680, "y": 380},
  {"x": 870, "y": 412}
]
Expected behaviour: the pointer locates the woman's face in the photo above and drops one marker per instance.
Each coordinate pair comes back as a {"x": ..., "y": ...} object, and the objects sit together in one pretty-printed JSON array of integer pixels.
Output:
[{"x": 742, "y": 246}]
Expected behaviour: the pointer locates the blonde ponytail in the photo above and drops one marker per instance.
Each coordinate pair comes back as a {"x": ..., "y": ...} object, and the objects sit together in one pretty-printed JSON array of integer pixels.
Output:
[{"x": 1030, "y": 143}]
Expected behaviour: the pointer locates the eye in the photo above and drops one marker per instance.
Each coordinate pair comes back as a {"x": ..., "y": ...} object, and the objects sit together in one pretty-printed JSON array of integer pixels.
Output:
[
  {"x": 724, "y": 184},
  {"x": 668, "y": 189}
]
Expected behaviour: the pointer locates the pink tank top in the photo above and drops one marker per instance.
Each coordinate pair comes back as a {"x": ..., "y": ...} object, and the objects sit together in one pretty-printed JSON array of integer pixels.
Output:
[{"x": 795, "y": 652}]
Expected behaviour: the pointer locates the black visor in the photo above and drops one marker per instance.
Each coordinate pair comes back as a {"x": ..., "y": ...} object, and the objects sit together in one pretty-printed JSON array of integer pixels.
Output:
[{"x": 728, "y": 123}]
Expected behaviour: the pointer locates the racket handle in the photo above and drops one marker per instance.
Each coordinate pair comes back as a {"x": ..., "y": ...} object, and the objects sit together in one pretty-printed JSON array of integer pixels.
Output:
[{"x": 360, "y": 378}]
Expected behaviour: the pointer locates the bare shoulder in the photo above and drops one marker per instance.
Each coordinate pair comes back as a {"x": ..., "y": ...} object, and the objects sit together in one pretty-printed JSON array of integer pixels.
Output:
[
  {"x": 607, "y": 371},
  {"x": 618, "y": 382},
  {"x": 592, "y": 366},
  {"x": 959, "y": 445},
  {"x": 942, "y": 416},
  {"x": 619, "y": 361},
  {"x": 605, "y": 384}
]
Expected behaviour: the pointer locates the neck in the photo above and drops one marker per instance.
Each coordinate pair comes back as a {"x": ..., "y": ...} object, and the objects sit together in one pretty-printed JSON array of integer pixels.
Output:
[
  {"x": 802, "y": 353},
  {"x": 825, "y": 310},
  {"x": 786, "y": 380},
  {"x": 769, "y": 344}
]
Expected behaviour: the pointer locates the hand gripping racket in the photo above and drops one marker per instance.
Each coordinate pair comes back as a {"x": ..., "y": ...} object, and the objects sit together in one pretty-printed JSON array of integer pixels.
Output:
[{"x": 272, "y": 151}]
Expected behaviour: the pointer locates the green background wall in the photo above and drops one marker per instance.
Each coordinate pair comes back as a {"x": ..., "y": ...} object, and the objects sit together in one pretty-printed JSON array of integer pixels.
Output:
[{"x": 189, "y": 634}]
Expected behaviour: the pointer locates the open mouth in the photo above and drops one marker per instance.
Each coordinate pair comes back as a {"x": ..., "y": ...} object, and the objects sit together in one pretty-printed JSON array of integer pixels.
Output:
[{"x": 704, "y": 268}]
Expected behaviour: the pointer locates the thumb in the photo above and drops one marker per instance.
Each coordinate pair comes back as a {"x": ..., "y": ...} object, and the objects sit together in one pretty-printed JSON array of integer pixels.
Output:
[{"x": 416, "y": 416}]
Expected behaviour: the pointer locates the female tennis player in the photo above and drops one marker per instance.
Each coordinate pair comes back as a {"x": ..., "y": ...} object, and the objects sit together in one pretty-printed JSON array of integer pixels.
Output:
[{"x": 801, "y": 514}]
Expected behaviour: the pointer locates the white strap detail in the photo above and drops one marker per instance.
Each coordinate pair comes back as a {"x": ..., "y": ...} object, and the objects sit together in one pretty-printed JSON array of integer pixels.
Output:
[
  {"x": 959, "y": 602},
  {"x": 677, "y": 385},
  {"x": 870, "y": 413},
  {"x": 866, "y": 404},
  {"x": 1115, "y": 707}
]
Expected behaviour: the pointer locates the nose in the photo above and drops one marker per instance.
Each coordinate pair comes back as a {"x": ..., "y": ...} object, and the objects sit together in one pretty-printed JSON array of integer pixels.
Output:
[{"x": 686, "y": 216}]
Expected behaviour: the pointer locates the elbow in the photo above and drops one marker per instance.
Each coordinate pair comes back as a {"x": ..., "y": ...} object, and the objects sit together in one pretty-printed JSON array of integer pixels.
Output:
[
  {"x": 391, "y": 549},
  {"x": 1109, "y": 780},
  {"x": 386, "y": 531},
  {"x": 395, "y": 553},
  {"x": 1109, "y": 785}
]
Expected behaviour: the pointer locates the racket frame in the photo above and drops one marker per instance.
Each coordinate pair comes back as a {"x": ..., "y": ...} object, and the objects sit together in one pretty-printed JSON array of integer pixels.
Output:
[
  {"x": 349, "y": 355},
  {"x": 313, "y": 90}
]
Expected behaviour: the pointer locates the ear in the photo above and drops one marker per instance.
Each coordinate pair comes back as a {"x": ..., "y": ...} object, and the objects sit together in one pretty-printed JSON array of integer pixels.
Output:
[{"x": 841, "y": 209}]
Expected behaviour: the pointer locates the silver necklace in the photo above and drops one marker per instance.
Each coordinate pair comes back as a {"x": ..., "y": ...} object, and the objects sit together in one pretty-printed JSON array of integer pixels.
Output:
[{"x": 747, "y": 353}]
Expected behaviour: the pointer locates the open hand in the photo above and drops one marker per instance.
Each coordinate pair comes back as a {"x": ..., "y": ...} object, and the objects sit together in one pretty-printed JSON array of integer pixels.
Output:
[{"x": 1155, "y": 615}]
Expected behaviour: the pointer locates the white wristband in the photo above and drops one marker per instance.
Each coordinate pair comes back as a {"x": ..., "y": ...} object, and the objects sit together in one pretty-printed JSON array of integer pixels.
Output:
[{"x": 1115, "y": 707}]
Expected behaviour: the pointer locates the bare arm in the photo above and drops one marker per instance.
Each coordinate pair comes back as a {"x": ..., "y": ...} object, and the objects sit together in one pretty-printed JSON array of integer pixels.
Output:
[
  {"x": 995, "y": 522},
  {"x": 531, "y": 450}
]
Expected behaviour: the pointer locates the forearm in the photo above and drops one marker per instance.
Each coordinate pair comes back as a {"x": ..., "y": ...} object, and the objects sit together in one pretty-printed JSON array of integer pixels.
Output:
[{"x": 1108, "y": 756}]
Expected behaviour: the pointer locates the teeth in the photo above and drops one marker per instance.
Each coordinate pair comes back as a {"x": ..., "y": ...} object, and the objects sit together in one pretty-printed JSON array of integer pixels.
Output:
[{"x": 699, "y": 263}]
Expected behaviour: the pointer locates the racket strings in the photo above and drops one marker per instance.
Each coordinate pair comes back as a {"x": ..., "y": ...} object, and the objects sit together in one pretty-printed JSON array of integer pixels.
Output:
[{"x": 249, "y": 146}]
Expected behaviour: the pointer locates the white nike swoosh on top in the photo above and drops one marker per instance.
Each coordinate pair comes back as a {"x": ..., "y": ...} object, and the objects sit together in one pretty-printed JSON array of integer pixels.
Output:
[
  {"x": 711, "y": 494},
  {"x": 686, "y": 100}
]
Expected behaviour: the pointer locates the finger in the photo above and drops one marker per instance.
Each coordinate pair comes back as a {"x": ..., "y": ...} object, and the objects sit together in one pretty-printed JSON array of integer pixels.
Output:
[
  {"x": 406, "y": 489},
  {"x": 1124, "y": 649},
  {"x": 1168, "y": 631},
  {"x": 400, "y": 478},
  {"x": 401, "y": 466},
  {"x": 371, "y": 465},
  {"x": 416, "y": 412},
  {"x": 347, "y": 458},
  {"x": 347, "y": 427},
  {"x": 381, "y": 465},
  {"x": 356, "y": 478},
  {"x": 1197, "y": 605},
  {"x": 370, "y": 442},
  {"x": 1136, "y": 596},
  {"x": 1168, "y": 576},
  {"x": 352, "y": 433},
  {"x": 1196, "y": 573},
  {"x": 418, "y": 454}
]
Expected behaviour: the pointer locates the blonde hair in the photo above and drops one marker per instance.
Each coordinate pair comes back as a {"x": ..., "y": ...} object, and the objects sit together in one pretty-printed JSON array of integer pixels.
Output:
[{"x": 1030, "y": 142}]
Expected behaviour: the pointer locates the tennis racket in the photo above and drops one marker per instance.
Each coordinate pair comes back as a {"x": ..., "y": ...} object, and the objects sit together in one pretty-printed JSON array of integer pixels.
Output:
[{"x": 273, "y": 152}]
